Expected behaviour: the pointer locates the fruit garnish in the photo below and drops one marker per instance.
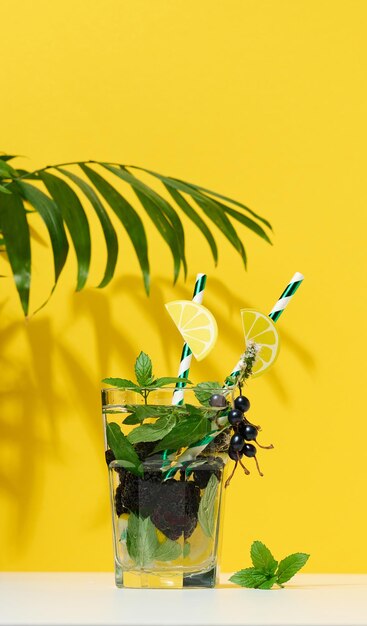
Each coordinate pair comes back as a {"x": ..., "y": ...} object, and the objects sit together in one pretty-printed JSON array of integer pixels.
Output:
[
  {"x": 196, "y": 324},
  {"x": 260, "y": 330}
]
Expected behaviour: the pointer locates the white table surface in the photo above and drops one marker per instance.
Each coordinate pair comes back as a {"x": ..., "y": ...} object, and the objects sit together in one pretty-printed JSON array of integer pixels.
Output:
[{"x": 91, "y": 599}]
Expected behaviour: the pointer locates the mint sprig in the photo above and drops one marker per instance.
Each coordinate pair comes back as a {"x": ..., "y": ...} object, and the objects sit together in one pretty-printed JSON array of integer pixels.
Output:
[
  {"x": 191, "y": 427},
  {"x": 262, "y": 558},
  {"x": 146, "y": 381},
  {"x": 143, "y": 545},
  {"x": 266, "y": 571},
  {"x": 122, "y": 449},
  {"x": 153, "y": 432},
  {"x": 204, "y": 391},
  {"x": 144, "y": 370},
  {"x": 206, "y": 507}
]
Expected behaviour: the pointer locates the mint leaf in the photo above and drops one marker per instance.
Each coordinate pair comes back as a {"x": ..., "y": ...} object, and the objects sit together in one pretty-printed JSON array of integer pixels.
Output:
[
  {"x": 132, "y": 420},
  {"x": 203, "y": 391},
  {"x": 143, "y": 370},
  {"x": 120, "y": 383},
  {"x": 289, "y": 566},
  {"x": 168, "y": 551},
  {"x": 268, "y": 583},
  {"x": 169, "y": 380},
  {"x": 141, "y": 540},
  {"x": 262, "y": 558},
  {"x": 139, "y": 413},
  {"x": 207, "y": 505},
  {"x": 186, "y": 549},
  {"x": 122, "y": 448},
  {"x": 189, "y": 429},
  {"x": 153, "y": 432},
  {"x": 249, "y": 577}
]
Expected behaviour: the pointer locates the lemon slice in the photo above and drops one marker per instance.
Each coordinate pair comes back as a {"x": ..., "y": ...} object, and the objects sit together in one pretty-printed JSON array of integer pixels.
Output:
[
  {"x": 196, "y": 324},
  {"x": 260, "y": 329}
]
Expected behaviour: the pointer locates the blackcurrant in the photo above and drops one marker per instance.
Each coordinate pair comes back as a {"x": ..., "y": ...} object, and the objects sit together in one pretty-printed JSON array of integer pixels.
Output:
[
  {"x": 249, "y": 450},
  {"x": 235, "y": 416},
  {"x": 242, "y": 403},
  {"x": 217, "y": 400},
  {"x": 236, "y": 442},
  {"x": 234, "y": 455},
  {"x": 248, "y": 431}
]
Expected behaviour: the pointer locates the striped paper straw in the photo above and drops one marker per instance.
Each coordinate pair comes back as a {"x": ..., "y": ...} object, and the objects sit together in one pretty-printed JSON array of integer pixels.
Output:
[
  {"x": 274, "y": 314},
  {"x": 286, "y": 296},
  {"x": 186, "y": 354},
  {"x": 185, "y": 362},
  {"x": 277, "y": 309}
]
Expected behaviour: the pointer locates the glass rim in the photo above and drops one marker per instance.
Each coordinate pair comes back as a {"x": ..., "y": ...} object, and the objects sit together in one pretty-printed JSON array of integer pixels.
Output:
[{"x": 171, "y": 388}]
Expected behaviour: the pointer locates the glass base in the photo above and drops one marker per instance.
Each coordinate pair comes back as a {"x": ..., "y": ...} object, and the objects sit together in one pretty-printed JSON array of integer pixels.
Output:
[{"x": 165, "y": 580}]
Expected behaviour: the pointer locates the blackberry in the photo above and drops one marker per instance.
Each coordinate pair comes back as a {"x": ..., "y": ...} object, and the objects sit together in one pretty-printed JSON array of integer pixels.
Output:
[
  {"x": 122, "y": 472},
  {"x": 144, "y": 449},
  {"x": 130, "y": 492},
  {"x": 203, "y": 473},
  {"x": 109, "y": 456},
  {"x": 119, "y": 503},
  {"x": 137, "y": 495},
  {"x": 149, "y": 488},
  {"x": 176, "y": 508}
]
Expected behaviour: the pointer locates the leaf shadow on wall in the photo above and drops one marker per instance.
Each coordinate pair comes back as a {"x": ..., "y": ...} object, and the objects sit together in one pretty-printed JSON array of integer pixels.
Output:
[
  {"x": 39, "y": 408},
  {"x": 25, "y": 435}
]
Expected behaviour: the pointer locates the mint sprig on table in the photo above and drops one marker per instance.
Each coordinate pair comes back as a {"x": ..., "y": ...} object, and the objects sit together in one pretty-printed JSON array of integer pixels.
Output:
[{"x": 266, "y": 571}]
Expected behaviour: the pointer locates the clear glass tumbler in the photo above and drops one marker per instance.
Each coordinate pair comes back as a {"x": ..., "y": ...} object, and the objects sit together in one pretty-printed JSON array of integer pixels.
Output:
[{"x": 166, "y": 520}]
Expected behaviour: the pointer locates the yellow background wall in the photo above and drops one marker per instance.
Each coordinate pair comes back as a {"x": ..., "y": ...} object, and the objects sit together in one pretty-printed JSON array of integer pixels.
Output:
[{"x": 264, "y": 101}]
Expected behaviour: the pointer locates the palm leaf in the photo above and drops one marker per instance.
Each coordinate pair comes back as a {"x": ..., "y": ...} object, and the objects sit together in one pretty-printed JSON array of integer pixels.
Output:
[
  {"x": 76, "y": 222},
  {"x": 109, "y": 232},
  {"x": 51, "y": 215},
  {"x": 160, "y": 213},
  {"x": 63, "y": 208},
  {"x": 127, "y": 216},
  {"x": 213, "y": 211},
  {"x": 231, "y": 201},
  {"x": 15, "y": 232},
  {"x": 7, "y": 157},
  {"x": 195, "y": 218},
  {"x": 203, "y": 189}
]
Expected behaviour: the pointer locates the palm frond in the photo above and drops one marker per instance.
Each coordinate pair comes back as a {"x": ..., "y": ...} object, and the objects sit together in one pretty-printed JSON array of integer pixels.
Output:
[{"x": 56, "y": 193}]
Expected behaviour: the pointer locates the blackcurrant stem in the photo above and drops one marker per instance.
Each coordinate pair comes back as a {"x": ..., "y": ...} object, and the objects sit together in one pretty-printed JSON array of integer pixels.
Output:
[
  {"x": 231, "y": 476},
  {"x": 244, "y": 468},
  {"x": 258, "y": 468},
  {"x": 264, "y": 447}
]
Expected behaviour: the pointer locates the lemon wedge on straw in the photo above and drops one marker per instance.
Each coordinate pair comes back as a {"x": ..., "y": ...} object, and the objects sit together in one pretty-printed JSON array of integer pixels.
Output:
[
  {"x": 260, "y": 329},
  {"x": 196, "y": 324}
]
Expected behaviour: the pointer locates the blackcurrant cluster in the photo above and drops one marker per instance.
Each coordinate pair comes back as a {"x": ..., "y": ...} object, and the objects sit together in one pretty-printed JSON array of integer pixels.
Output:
[{"x": 244, "y": 432}]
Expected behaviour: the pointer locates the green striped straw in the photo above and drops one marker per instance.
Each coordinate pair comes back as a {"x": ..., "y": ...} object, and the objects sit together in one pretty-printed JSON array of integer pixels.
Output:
[
  {"x": 277, "y": 309},
  {"x": 275, "y": 313},
  {"x": 185, "y": 362},
  {"x": 186, "y": 354},
  {"x": 286, "y": 296}
]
